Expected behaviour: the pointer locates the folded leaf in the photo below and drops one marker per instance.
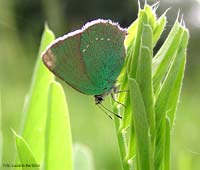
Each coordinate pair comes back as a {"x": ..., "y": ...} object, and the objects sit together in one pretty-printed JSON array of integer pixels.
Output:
[
  {"x": 35, "y": 108},
  {"x": 58, "y": 145},
  {"x": 140, "y": 122},
  {"x": 25, "y": 153}
]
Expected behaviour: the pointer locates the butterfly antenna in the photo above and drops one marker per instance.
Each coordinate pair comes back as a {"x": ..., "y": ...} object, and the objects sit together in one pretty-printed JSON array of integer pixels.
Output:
[
  {"x": 105, "y": 112},
  {"x": 111, "y": 111}
]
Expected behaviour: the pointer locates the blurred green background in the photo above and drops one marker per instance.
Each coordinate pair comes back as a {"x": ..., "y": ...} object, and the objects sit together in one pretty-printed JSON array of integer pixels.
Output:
[{"x": 21, "y": 25}]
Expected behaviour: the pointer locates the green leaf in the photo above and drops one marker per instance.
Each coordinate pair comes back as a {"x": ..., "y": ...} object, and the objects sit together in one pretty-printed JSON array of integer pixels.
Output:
[
  {"x": 132, "y": 29},
  {"x": 160, "y": 146},
  {"x": 35, "y": 108},
  {"x": 161, "y": 106},
  {"x": 159, "y": 28},
  {"x": 122, "y": 79},
  {"x": 165, "y": 55},
  {"x": 164, "y": 98},
  {"x": 151, "y": 15},
  {"x": 1, "y": 136},
  {"x": 58, "y": 148},
  {"x": 154, "y": 85},
  {"x": 82, "y": 158},
  {"x": 142, "y": 19},
  {"x": 144, "y": 75},
  {"x": 121, "y": 140},
  {"x": 175, "y": 92},
  {"x": 167, "y": 145},
  {"x": 140, "y": 123},
  {"x": 144, "y": 80},
  {"x": 131, "y": 65},
  {"x": 127, "y": 116},
  {"x": 25, "y": 154},
  {"x": 131, "y": 151}
]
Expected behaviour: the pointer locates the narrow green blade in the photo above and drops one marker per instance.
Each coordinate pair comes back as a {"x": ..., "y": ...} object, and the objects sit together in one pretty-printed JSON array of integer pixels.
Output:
[
  {"x": 132, "y": 29},
  {"x": 167, "y": 145},
  {"x": 161, "y": 106},
  {"x": 151, "y": 15},
  {"x": 1, "y": 136},
  {"x": 159, "y": 28},
  {"x": 132, "y": 59},
  {"x": 144, "y": 79},
  {"x": 175, "y": 92},
  {"x": 58, "y": 145},
  {"x": 35, "y": 110},
  {"x": 137, "y": 44},
  {"x": 167, "y": 97},
  {"x": 144, "y": 75},
  {"x": 27, "y": 159},
  {"x": 165, "y": 55},
  {"x": 160, "y": 142},
  {"x": 140, "y": 123}
]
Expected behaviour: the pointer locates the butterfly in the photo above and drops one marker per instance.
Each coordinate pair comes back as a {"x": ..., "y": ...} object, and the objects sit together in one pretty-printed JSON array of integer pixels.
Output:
[{"x": 89, "y": 59}]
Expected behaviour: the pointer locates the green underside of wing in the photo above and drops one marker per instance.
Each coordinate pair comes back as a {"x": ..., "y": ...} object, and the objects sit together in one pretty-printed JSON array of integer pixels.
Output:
[
  {"x": 91, "y": 61},
  {"x": 103, "y": 54},
  {"x": 69, "y": 66}
]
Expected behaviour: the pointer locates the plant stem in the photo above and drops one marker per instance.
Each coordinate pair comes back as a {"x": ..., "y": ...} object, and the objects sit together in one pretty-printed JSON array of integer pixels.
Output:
[{"x": 121, "y": 141}]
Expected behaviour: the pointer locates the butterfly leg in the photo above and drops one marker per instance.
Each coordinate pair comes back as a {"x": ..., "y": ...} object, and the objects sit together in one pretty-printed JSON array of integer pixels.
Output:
[{"x": 113, "y": 97}]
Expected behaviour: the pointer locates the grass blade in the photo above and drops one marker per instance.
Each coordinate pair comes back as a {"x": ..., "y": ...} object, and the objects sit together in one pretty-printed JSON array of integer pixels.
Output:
[
  {"x": 132, "y": 29},
  {"x": 159, "y": 28},
  {"x": 140, "y": 123},
  {"x": 169, "y": 82},
  {"x": 160, "y": 146},
  {"x": 144, "y": 75},
  {"x": 151, "y": 15},
  {"x": 154, "y": 85},
  {"x": 164, "y": 56},
  {"x": 165, "y": 96},
  {"x": 26, "y": 156},
  {"x": 142, "y": 19},
  {"x": 58, "y": 131},
  {"x": 121, "y": 141},
  {"x": 167, "y": 145},
  {"x": 175, "y": 92},
  {"x": 1, "y": 136},
  {"x": 131, "y": 65},
  {"x": 35, "y": 110}
]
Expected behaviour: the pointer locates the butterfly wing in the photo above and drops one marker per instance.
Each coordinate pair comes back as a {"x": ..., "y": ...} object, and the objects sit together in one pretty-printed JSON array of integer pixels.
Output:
[
  {"x": 103, "y": 51},
  {"x": 64, "y": 59}
]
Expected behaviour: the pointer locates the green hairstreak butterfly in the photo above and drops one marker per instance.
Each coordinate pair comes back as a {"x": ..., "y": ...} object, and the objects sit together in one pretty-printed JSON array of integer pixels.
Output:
[{"x": 89, "y": 59}]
